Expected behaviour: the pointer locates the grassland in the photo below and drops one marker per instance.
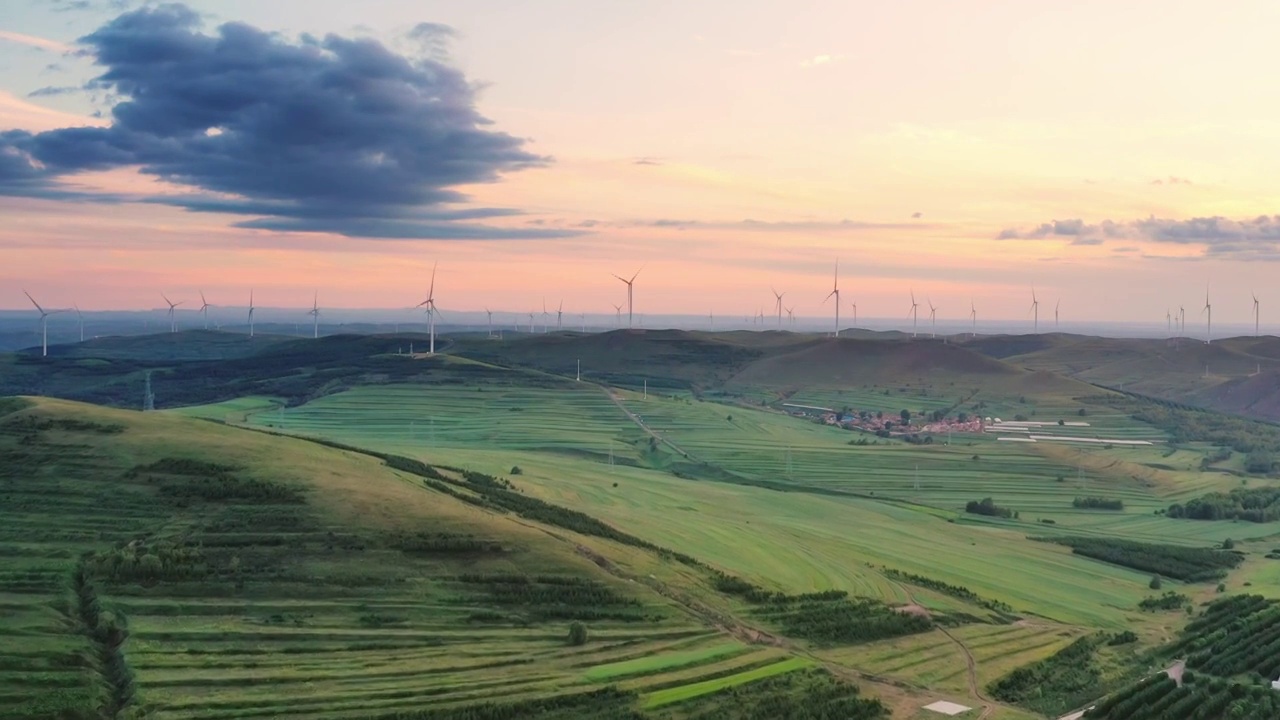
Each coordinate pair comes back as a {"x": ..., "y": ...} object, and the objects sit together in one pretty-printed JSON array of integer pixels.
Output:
[
  {"x": 337, "y": 591},
  {"x": 284, "y": 586}
]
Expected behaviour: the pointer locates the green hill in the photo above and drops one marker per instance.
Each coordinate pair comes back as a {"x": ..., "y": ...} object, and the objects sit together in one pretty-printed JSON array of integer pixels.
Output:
[{"x": 163, "y": 567}]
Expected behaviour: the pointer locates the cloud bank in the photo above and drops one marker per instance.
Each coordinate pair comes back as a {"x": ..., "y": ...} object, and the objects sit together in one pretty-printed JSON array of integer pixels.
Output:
[
  {"x": 324, "y": 134},
  {"x": 1256, "y": 238}
]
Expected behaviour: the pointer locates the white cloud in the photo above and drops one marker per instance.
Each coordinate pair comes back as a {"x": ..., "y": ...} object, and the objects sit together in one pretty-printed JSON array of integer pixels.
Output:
[{"x": 817, "y": 60}]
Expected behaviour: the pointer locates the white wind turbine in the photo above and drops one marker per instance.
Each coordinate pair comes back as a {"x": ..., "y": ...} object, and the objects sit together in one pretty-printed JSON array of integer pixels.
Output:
[
  {"x": 545, "y": 315},
  {"x": 430, "y": 304},
  {"x": 173, "y": 323},
  {"x": 1035, "y": 308},
  {"x": 1055, "y": 314},
  {"x": 1168, "y": 320},
  {"x": 315, "y": 316},
  {"x": 1182, "y": 321},
  {"x": 1257, "y": 313},
  {"x": 80, "y": 319},
  {"x": 44, "y": 324},
  {"x": 1208, "y": 310},
  {"x": 914, "y": 312},
  {"x": 835, "y": 292},
  {"x": 933, "y": 319},
  {"x": 490, "y": 314},
  {"x": 631, "y": 286},
  {"x": 619, "y": 309},
  {"x": 973, "y": 318},
  {"x": 559, "y": 315},
  {"x": 204, "y": 309},
  {"x": 855, "y": 314},
  {"x": 791, "y": 316},
  {"x": 777, "y": 297},
  {"x": 250, "y": 312}
]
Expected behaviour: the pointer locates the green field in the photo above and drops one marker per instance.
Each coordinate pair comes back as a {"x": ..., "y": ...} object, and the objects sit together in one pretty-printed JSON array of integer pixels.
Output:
[{"x": 407, "y": 533}]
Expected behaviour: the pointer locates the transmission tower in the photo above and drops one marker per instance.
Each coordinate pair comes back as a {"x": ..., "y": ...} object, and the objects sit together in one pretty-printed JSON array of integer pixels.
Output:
[{"x": 148, "y": 397}]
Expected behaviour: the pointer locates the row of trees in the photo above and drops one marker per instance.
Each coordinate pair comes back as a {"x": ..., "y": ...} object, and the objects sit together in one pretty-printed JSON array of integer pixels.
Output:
[
  {"x": 1160, "y": 697},
  {"x": 1174, "y": 561},
  {"x": 987, "y": 506},
  {"x": 1097, "y": 503},
  {"x": 1251, "y": 504},
  {"x": 1056, "y": 684},
  {"x": 834, "y": 619},
  {"x": 956, "y": 591}
]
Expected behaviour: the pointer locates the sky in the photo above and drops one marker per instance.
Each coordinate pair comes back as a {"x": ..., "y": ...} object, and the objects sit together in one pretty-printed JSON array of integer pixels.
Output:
[{"x": 1117, "y": 158}]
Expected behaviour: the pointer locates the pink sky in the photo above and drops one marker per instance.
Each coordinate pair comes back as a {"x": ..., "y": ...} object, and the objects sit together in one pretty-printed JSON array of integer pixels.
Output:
[{"x": 981, "y": 117}]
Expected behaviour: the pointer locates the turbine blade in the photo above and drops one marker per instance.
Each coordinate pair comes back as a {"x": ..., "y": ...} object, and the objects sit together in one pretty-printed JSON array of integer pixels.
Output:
[
  {"x": 33, "y": 301},
  {"x": 431, "y": 292}
]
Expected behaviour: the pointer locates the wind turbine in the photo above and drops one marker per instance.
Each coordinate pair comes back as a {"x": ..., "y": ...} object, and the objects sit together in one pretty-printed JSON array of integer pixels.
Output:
[
  {"x": 913, "y": 312},
  {"x": 778, "y": 302},
  {"x": 430, "y": 304},
  {"x": 490, "y": 314},
  {"x": 631, "y": 286},
  {"x": 973, "y": 318},
  {"x": 250, "y": 312},
  {"x": 619, "y": 309},
  {"x": 1168, "y": 320},
  {"x": 1256, "y": 315},
  {"x": 44, "y": 324},
  {"x": 80, "y": 319},
  {"x": 933, "y": 319},
  {"x": 204, "y": 309},
  {"x": 1208, "y": 310},
  {"x": 791, "y": 316},
  {"x": 855, "y": 314},
  {"x": 531, "y": 323},
  {"x": 1035, "y": 308},
  {"x": 315, "y": 315},
  {"x": 711, "y": 320},
  {"x": 1182, "y": 322},
  {"x": 559, "y": 315},
  {"x": 1055, "y": 314},
  {"x": 835, "y": 291},
  {"x": 173, "y": 323}
]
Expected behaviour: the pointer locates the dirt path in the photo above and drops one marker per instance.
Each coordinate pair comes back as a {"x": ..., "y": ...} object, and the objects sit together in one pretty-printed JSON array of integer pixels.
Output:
[
  {"x": 640, "y": 423},
  {"x": 971, "y": 664}
]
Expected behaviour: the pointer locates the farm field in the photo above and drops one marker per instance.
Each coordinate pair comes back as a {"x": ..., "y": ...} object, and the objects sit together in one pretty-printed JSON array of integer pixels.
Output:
[{"x": 316, "y": 599}]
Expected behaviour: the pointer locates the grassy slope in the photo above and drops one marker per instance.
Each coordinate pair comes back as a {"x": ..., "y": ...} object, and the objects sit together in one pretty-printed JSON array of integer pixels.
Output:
[{"x": 334, "y": 601}]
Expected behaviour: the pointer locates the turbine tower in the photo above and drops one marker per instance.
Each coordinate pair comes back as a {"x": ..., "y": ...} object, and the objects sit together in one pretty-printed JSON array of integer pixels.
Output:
[
  {"x": 1182, "y": 321},
  {"x": 1168, "y": 320},
  {"x": 545, "y": 315},
  {"x": 631, "y": 286},
  {"x": 1208, "y": 311},
  {"x": 430, "y": 304},
  {"x": 315, "y": 316},
  {"x": 1256, "y": 315},
  {"x": 973, "y": 318},
  {"x": 855, "y": 314},
  {"x": 1035, "y": 308},
  {"x": 250, "y": 312},
  {"x": 777, "y": 296},
  {"x": 791, "y": 316},
  {"x": 173, "y": 323},
  {"x": 933, "y": 319},
  {"x": 204, "y": 309},
  {"x": 80, "y": 319},
  {"x": 913, "y": 312},
  {"x": 44, "y": 324},
  {"x": 1055, "y": 314},
  {"x": 559, "y": 315},
  {"x": 490, "y": 314},
  {"x": 835, "y": 291},
  {"x": 619, "y": 309}
]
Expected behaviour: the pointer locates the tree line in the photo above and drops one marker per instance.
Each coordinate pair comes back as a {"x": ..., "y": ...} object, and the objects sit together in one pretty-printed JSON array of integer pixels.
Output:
[
  {"x": 1173, "y": 561},
  {"x": 987, "y": 506},
  {"x": 1252, "y": 504}
]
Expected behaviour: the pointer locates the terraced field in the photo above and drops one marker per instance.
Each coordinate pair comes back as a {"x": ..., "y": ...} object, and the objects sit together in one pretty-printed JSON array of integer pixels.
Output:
[{"x": 304, "y": 589}]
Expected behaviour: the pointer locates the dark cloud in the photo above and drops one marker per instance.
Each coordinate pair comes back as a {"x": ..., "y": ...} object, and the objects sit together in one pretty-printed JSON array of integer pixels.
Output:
[
  {"x": 1254, "y": 238},
  {"x": 85, "y": 5},
  {"x": 50, "y": 91},
  {"x": 917, "y": 215},
  {"x": 645, "y": 161},
  {"x": 316, "y": 135}
]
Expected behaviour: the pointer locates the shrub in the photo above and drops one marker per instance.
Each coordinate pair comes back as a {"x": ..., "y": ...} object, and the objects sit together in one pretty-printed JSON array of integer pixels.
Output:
[
  {"x": 1155, "y": 582},
  {"x": 577, "y": 633},
  {"x": 516, "y": 470}
]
